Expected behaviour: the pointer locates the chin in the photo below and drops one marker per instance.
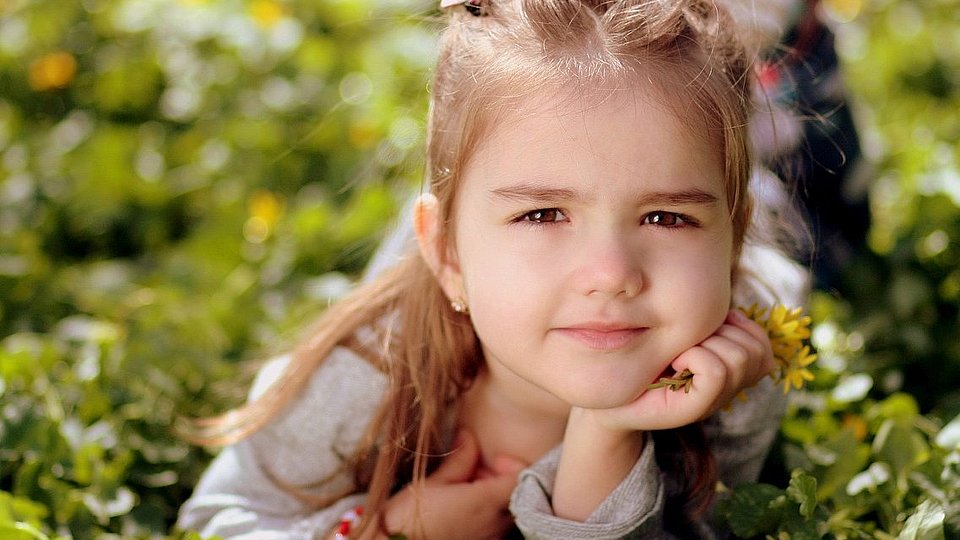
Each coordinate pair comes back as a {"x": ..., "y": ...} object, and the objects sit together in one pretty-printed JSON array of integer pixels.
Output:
[{"x": 604, "y": 398}]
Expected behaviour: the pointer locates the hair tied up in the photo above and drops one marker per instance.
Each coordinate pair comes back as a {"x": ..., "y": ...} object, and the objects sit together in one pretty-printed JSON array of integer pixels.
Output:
[{"x": 477, "y": 8}]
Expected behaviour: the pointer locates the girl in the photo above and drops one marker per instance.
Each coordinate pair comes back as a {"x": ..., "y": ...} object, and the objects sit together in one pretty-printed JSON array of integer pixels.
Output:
[{"x": 584, "y": 235}]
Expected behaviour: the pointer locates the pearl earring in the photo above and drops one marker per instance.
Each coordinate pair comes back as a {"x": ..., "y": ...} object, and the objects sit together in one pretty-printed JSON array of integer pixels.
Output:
[{"x": 460, "y": 305}]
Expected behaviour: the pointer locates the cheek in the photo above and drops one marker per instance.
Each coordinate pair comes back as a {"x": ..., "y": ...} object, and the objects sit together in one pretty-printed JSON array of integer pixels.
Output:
[
  {"x": 706, "y": 286},
  {"x": 508, "y": 289},
  {"x": 496, "y": 282},
  {"x": 698, "y": 283},
  {"x": 493, "y": 262},
  {"x": 716, "y": 289}
]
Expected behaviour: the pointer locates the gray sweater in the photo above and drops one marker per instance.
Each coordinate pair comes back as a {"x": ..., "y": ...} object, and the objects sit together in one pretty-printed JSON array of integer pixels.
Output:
[{"x": 241, "y": 495}]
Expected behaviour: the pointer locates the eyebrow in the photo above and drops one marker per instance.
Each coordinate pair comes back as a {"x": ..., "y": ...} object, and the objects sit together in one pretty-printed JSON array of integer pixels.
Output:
[
  {"x": 532, "y": 193},
  {"x": 694, "y": 196},
  {"x": 535, "y": 194}
]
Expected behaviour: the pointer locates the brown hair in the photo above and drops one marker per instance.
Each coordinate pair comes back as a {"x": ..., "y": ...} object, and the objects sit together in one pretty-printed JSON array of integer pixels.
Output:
[{"x": 487, "y": 63}]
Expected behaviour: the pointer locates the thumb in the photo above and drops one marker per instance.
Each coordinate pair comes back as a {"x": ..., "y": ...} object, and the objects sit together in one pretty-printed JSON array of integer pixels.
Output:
[
  {"x": 499, "y": 487},
  {"x": 462, "y": 462},
  {"x": 505, "y": 464}
]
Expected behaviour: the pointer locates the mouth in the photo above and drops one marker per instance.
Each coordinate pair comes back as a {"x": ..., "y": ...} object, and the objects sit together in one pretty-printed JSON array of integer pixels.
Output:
[{"x": 604, "y": 337}]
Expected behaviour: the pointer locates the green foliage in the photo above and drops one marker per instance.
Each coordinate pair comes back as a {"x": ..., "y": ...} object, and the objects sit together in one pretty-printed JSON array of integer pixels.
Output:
[
  {"x": 184, "y": 183},
  {"x": 753, "y": 510},
  {"x": 861, "y": 469},
  {"x": 904, "y": 302},
  {"x": 871, "y": 439}
]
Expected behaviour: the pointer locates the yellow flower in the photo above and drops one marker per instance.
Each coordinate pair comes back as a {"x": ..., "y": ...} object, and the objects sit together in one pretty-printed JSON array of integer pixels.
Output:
[
  {"x": 788, "y": 324},
  {"x": 754, "y": 312},
  {"x": 265, "y": 211},
  {"x": 53, "y": 71},
  {"x": 795, "y": 371},
  {"x": 788, "y": 331},
  {"x": 266, "y": 13}
]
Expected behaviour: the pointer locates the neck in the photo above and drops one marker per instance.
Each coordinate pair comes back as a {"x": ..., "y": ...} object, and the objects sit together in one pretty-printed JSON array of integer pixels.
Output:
[{"x": 523, "y": 425}]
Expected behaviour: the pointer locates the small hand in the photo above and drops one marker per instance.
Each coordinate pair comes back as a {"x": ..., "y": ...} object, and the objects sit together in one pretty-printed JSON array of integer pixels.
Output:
[
  {"x": 461, "y": 499},
  {"x": 736, "y": 356}
]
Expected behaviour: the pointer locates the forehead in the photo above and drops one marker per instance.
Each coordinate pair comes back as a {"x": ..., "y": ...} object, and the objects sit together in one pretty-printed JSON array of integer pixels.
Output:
[
  {"x": 630, "y": 134},
  {"x": 652, "y": 86}
]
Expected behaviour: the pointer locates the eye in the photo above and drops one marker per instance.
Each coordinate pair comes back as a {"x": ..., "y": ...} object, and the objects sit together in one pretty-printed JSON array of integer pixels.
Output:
[
  {"x": 667, "y": 219},
  {"x": 544, "y": 215}
]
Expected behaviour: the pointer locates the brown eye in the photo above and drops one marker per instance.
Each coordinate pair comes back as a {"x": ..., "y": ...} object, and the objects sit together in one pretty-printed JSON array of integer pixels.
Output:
[
  {"x": 544, "y": 215},
  {"x": 664, "y": 219}
]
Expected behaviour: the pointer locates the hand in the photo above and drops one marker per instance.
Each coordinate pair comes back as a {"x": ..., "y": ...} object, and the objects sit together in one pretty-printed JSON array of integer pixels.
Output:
[
  {"x": 736, "y": 356},
  {"x": 461, "y": 499}
]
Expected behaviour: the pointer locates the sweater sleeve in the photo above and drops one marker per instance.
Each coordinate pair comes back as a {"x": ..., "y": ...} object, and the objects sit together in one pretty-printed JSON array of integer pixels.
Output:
[
  {"x": 741, "y": 437},
  {"x": 255, "y": 488},
  {"x": 633, "y": 510}
]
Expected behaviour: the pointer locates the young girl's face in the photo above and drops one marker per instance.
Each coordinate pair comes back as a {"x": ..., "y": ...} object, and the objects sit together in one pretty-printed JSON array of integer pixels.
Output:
[{"x": 593, "y": 244}]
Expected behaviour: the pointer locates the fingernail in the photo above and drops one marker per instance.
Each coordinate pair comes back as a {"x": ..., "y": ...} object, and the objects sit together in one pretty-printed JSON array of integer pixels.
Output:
[{"x": 737, "y": 315}]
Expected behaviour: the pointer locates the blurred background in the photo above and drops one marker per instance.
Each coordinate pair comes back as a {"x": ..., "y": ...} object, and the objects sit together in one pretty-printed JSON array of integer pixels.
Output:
[{"x": 185, "y": 183}]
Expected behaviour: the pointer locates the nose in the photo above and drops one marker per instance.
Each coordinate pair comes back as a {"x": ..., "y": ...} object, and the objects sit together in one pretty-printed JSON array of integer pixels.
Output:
[{"x": 610, "y": 266}]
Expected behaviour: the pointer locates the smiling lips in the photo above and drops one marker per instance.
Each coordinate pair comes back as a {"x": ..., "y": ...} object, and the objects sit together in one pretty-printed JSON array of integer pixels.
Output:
[{"x": 603, "y": 337}]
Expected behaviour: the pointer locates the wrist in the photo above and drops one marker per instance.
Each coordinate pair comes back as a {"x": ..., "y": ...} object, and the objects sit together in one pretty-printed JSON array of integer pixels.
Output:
[
  {"x": 594, "y": 460},
  {"x": 588, "y": 426}
]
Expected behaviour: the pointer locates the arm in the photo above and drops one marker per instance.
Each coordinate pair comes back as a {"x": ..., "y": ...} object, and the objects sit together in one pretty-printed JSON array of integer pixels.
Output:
[
  {"x": 242, "y": 493},
  {"x": 604, "y": 481},
  {"x": 593, "y": 462},
  {"x": 634, "y": 509}
]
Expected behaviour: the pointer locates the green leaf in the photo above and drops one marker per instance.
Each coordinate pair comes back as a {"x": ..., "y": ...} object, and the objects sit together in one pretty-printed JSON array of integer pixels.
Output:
[
  {"x": 752, "y": 509},
  {"x": 925, "y": 524},
  {"x": 851, "y": 457},
  {"x": 900, "y": 407},
  {"x": 803, "y": 490},
  {"x": 21, "y": 531},
  {"x": 900, "y": 445},
  {"x": 20, "y": 509}
]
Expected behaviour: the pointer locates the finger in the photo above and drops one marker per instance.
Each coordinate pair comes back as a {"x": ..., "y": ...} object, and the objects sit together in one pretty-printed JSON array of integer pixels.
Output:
[
  {"x": 708, "y": 384},
  {"x": 497, "y": 488},
  {"x": 743, "y": 354},
  {"x": 702, "y": 361},
  {"x": 738, "y": 319},
  {"x": 502, "y": 464},
  {"x": 759, "y": 351},
  {"x": 743, "y": 370},
  {"x": 462, "y": 462},
  {"x": 507, "y": 464},
  {"x": 735, "y": 357}
]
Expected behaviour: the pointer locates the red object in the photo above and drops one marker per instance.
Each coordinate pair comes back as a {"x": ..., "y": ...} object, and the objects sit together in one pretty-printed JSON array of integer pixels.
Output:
[
  {"x": 347, "y": 522},
  {"x": 769, "y": 75}
]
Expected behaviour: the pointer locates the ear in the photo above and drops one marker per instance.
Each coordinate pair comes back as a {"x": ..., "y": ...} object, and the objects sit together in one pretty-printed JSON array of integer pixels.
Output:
[{"x": 426, "y": 225}]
